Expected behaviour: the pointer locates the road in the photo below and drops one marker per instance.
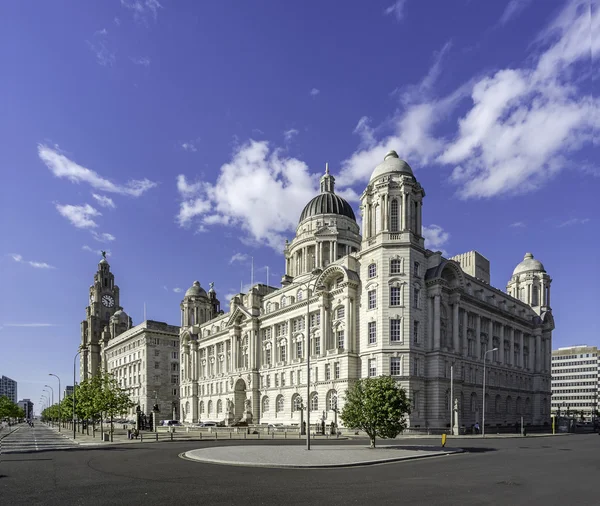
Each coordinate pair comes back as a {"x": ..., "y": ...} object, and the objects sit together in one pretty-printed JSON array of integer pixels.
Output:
[
  {"x": 26, "y": 439},
  {"x": 515, "y": 471}
]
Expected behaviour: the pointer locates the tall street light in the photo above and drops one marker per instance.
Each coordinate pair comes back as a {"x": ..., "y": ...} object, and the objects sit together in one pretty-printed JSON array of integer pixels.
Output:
[
  {"x": 74, "y": 390},
  {"x": 307, "y": 349},
  {"x": 59, "y": 413},
  {"x": 484, "y": 361},
  {"x": 51, "y": 390}
]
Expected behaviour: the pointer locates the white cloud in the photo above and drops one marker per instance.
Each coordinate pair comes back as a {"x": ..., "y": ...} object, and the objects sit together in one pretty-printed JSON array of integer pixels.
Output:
[
  {"x": 177, "y": 290},
  {"x": 97, "y": 251},
  {"x": 104, "y": 31},
  {"x": 497, "y": 146},
  {"x": 518, "y": 224},
  {"x": 397, "y": 9},
  {"x": 104, "y": 201},
  {"x": 189, "y": 146},
  {"x": 36, "y": 265},
  {"x": 104, "y": 237},
  {"x": 260, "y": 190},
  {"x": 238, "y": 257},
  {"x": 314, "y": 92},
  {"x": 574, "y": 221},
  {"x": 79, "y": 216},
  {"x": 512, "y": 9},
  {"x": 142, "y": 9},
  {"x": 435, "y": 238},
  {"x": 61, "y": 166},
  {"x": 144, "y": 61},
  {"x": 288, "y": 135},
  {"x": 104, "y": 56},
  {"x": 29, "y": 324},
  {"x": 117, "y": 21}
]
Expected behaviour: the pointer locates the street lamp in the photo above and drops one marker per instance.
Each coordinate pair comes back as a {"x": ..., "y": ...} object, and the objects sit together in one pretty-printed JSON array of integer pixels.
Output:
[
  {"x": 59, "y": 410},
  {"x": 484, "y": 361},
  {"x": 52, "y": 390},
  {"x": 306, "y": 285},
  {"x": 50, "y": 399},
  {"x": 74, "y": 390}
]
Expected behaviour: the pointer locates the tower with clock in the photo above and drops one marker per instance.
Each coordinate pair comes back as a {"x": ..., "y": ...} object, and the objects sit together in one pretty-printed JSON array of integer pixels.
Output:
[{"x": 103, "y": 303}]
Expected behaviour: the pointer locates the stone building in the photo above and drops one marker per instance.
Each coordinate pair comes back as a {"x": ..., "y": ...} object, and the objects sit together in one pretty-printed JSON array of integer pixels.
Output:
[
  {"x": 144, "y": 359},
  {"x": 376, "y": 303}
]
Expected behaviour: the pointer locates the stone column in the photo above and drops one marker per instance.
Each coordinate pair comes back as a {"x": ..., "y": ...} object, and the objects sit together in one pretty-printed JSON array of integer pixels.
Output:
[
  {"x": 436, "y": 321},
  {"x": 455, "y": 341},
  {"x": 501, "y": 345},
  {"x": 538, "y": 351},
  {"x": 429, "y": 343},
  {"x": 234, "y": 353},
  {"x": 490, "y": 343},
  {"x": 408, "y": 211},
  {"x": 403, "y": 213},
  {"x": 349, "y": 345},
  {"x": 478, "y": 336},
  {"x": 511, "y": 332},
  {"x": 465, "y": 349},
  {"x": 521, "y": 346}
]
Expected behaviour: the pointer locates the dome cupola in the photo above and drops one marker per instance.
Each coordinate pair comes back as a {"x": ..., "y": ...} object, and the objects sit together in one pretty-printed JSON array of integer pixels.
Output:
[
  {"x": 195, "y": 290},
  {"x": 392, "y": 163},
  {"x": 529, "y": 264}
]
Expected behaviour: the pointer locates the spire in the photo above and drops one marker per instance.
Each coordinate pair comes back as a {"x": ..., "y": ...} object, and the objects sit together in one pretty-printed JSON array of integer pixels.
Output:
[{"x": 327, "y": 181}]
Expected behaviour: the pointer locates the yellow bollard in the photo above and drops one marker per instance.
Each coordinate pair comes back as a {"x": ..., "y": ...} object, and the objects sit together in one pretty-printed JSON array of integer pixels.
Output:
[{"x": 443, "y": 440}]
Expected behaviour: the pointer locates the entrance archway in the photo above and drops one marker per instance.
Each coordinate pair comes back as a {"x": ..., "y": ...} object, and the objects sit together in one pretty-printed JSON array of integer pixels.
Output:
[{"x": 239, "y": 399}]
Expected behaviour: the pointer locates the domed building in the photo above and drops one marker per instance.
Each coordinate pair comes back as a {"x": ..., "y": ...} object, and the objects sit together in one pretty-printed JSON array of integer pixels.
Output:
[{"x": 367, "y": 303}]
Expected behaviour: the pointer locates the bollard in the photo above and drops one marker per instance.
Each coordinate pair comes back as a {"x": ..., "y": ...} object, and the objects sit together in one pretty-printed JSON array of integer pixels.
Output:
[
  {"x": 141, "y": 437},
  {"x": 156, "y": 435},
  {"x": 216, "y": 435},
  {"x": 443, "y": 440},
  {"x": 245, "y": 435},
  {"x": 171, "y": 436},
  {"x": 230, "y": 435}
]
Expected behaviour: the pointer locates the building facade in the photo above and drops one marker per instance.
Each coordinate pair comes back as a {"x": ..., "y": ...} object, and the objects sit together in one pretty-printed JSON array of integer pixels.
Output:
[
  {"x": 68, "y": 391},
  {"x": 27, "y": 406},
  {"x": 575, "y": 381},
  {"x": 370, "y": 304},
  {"x": 8, "y": 387}
]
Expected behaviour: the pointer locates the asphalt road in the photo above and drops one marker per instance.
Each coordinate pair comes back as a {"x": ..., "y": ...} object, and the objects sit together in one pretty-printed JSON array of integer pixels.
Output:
[
  {"x": 24, "y": 438},
  {"x": 534, "y": 470}
]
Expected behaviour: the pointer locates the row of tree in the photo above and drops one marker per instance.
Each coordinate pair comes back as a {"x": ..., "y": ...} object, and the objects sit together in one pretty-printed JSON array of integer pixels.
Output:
[
  {"x": 96, "y": 398},
  {"x": 9, "y": 410}
]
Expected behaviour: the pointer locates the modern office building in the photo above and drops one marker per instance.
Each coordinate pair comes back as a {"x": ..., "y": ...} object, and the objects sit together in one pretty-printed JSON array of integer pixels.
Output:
[
  {"x": 8, "y": 387},
  {"x": 575, "y": 381},
  {"x": 375, "y": 302},
  {"x": 27, "y": 406},
  {"x": 68, "y": 391}
]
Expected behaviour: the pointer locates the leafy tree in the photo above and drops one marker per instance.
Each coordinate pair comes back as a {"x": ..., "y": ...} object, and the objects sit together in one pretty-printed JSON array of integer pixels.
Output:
[
  {"x": 8, "y": 409},
  {"x": 377, "y": 406}
]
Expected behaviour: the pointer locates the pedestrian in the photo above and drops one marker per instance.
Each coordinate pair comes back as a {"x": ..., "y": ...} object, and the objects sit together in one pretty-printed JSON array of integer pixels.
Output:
[{"x": 476, "y": 427}]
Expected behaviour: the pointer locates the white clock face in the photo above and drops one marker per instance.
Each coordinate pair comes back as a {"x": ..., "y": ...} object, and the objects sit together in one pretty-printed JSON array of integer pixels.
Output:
[{"x": 108, "y": 301}]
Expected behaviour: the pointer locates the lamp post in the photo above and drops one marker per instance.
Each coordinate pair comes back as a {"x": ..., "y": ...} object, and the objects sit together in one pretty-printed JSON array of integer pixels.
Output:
[
  {"x": 50, "y": 400},
  {"x": 484, "y": 362},
  {"x": 74, "y": 390},
  {"x": 306, "y": 285},
  {"x": 59, "y": 413}
]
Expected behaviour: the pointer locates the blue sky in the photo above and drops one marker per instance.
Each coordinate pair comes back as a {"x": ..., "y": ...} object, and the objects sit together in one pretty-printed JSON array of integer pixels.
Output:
[{"x": 185, "y": 137}]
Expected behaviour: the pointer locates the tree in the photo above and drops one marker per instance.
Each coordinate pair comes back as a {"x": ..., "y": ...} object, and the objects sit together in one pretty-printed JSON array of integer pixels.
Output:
[
  {"x": 8, "y": 409},
  {"x": 377, "y": 406}
]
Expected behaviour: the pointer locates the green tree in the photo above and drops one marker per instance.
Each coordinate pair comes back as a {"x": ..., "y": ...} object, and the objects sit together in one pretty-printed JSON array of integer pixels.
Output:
[
  {"x": 377, "y": 406},
  {"x": 8, "y": 409}
]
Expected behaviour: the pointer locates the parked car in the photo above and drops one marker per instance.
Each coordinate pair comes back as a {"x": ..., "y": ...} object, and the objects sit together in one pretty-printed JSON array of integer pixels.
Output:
[{"x": 171, "y": 423}]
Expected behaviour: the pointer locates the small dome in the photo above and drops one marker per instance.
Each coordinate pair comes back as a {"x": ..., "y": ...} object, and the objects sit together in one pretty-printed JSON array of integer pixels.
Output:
[
  {"x": 391, "y": 164},
  {"x": 327, "y": 203},
  {"x": 103, "y": 261},
  {"x": 528, "y": 264},
  {"x": 120, "y": 316},
  {"x": 195, "y": 290}
]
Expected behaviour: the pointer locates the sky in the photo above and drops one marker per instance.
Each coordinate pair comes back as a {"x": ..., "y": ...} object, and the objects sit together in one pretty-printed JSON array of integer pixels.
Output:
[{"x": 185, "y": 138}]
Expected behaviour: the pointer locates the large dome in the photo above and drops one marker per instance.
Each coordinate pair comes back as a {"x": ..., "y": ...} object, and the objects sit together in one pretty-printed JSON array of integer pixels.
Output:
[
  {"x": 529, "y": 264},
  {"x": 391, "y": 164},
  {"x": 120, "y": 316},
  {"x": 195, "y": 290},
  {"x": 327, "y": 203}
]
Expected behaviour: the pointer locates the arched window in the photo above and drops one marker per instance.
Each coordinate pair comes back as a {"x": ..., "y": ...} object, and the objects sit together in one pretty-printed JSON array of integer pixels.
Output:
[
  {"x": 519, "y": 406},
  {"x": 219, "y": 406},
  {"x": 394, "y": 216},
  {"x": 280, "y": 404},
  {"x": 498, "y": 403},
  {"x": 187, "y": 406},
  {"x": 314, "y": 402},
  {"x": 265, "y": 405},
  {"x": 283, "y": 301},
  {"x": 296, "y": 403},
  {"x": 210, "y": 407},
  {"x": 299, "y": 295},
  {"x": 474, "y": 402},
  {"x": 332, "y": 401},
  {"x": 534, "y": 296},
  {"x": 509, "y": 408},
  {"x": 268, "y": 307}
]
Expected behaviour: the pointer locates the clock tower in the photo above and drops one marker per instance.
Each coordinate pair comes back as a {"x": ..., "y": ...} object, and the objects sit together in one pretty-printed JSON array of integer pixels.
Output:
[{"x": 103, "y": 303}]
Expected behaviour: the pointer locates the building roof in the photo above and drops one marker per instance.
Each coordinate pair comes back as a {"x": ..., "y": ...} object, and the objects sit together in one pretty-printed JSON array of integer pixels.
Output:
[
  {"x": 195, "y": 290},
  {"x": 528, "y": 264},
  {"x": 327, "y": 203},
  {"x": 392, "y": 163}
]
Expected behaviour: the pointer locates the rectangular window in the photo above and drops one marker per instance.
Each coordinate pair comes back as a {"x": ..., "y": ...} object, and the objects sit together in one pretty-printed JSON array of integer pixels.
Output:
[
  {"x": 341, "y": 312},
  {"x": 416, "y": 293},
  {"x": 315, "y": 319},
  {"x": 340, "y": 339},
  {"x": 395, "y": 366},
  {"x": 175, "y": 379},
  {"x": 156, "y": 353},
  {"x": 372, "y": 297},
  {"x": 174, "y": 392},
  {"x": 416, "y": 366},
  {"x": 372, "y": 367},
  {"x": 268, "y": 380},
  {"x": 327, "y": 372},
  {"x": 175, "y": 344},
  {"x": 395, "y": 296},
  {"x": 416, "y": 269},
  {"x": 174, "y": 367},
  {"x": 416, "y": 332},
  {"x": 372, "y": 270},
  {"x": 276, "y": 380},
  {"x": 372, "y": 332},
  {"x": 282, "y": 379},
  {"x": 282, "y": 353},
  {"x": 291, "y": 377},
  {"x": 268, "y": 357},
  {"x": 336, "y": 370},
  {"x": 317, "y": 346},
  {"x": 299, "y": 378},
  {"x": 299, "y": 349},
  {"x": 395, "y": 330},
  {"x": 396, "y": 266},
  {"x": 175, "y": 355},
  {"x": 156, "y": 365}
]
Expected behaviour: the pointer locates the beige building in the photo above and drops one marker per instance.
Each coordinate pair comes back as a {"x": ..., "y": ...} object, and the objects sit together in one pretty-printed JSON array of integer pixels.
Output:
[
  {"x": 144, "y": 359},
  {"x": 575, "y": 381},
  {"x": 376, "y": 303}
]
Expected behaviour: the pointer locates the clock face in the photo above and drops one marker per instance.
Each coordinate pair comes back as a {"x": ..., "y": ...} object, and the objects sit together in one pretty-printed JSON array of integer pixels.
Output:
[{"x": 108, "y": 301}]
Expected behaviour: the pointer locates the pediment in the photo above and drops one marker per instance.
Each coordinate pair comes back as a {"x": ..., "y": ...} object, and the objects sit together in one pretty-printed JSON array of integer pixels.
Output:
[{"x": 238, "y": 316}]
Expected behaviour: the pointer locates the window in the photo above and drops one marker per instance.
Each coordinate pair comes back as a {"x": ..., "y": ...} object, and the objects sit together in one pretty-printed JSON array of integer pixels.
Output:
[
  {"x": 340, "y": 312},
  {"x": 372, "y": 332},
  {"x": 299, "y": 295},
  {"x": 415, "y": 332},
  {"x": 156, "y": 353},
  {"x": 395, "y": 366},
  {"x": 336, "y": 370},
  {"x": 282, "y": 379},
  {"x": 174, "y": 367},
  {"x": 317, "y": 346},
  {"x": 282, "y": 304},
  {"x": 395, "y": 296},
  {"x": 299, "y": 349},
  {"x": 314, "y": 403},
  {"x": 416, "y": 269},
  {"x": 280, "y": 404},
  {"x": 333, "y": 401},
  {"x": 395, "y": 330},
  {"x": 396, "y": 266},
  {"x": 175, "y": 379},
  {"x": 156, "y": 365},
  {"x": 276, "y": 380},
  {"x": 265, "y": 405},
  {"x": 340, "y": 339},
  {"x": 416, "y": 366},
  {"x": 174, "y": 392},
  {"x": 416, "y": 294},
  {"x": 315, "y": 319},
  {"x": 299, "y": 377},
  {"x": 175, "y": 355},
  {"x": 291, "y": 377},
  {"x": 394, "y": 215},
  {"x": 268, "y": 356},
  {"x": 268, "y": 378},
  {"x": 297, "y": 403},
  {"x": 372, "y": 270},
  {"x": 372, "y": 297},
  {"x": 282, "y": 352},
  {"x": 327, "y": 372},
  {"x": 372, "y": 367}
]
